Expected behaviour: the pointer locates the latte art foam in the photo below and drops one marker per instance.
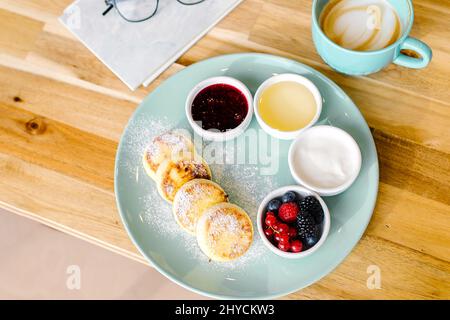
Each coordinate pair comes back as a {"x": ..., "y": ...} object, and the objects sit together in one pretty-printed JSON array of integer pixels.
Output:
[{"x": 361, "y": 25}]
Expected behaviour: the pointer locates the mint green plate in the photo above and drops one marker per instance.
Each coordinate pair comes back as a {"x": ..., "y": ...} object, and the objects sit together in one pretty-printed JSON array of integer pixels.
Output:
[{"x": 259, "y": 273}]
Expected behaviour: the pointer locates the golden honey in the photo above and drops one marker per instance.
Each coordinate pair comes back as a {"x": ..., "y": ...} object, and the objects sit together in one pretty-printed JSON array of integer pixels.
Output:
[{"x": 287, "y": 106}]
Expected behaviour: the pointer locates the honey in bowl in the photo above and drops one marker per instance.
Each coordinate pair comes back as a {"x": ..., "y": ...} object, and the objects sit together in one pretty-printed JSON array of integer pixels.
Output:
[{"x": 287, "y": 106}]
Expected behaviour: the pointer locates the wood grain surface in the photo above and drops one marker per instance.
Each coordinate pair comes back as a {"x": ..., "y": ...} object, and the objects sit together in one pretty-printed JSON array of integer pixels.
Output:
[{"x": 62, "y": 113}]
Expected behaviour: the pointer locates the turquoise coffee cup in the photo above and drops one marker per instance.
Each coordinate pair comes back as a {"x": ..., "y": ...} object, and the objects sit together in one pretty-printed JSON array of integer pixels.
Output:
[{"x": 366, "y": 62}]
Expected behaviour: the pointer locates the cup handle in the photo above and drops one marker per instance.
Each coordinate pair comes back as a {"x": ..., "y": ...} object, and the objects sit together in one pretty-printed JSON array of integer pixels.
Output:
[{"x": 417, "y": 46}]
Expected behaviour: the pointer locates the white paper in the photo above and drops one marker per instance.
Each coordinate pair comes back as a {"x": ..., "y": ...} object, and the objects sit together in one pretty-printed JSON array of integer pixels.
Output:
[{"x": 139, "y": 52}]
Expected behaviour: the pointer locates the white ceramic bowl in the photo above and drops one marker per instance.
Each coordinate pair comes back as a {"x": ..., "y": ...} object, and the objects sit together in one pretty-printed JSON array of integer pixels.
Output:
[
  {"x": 216, "y": 135},
  {"x": 352, "y": 150},
  {"x": 287, "y": 135},
  {"x": 302, "y": 192}
]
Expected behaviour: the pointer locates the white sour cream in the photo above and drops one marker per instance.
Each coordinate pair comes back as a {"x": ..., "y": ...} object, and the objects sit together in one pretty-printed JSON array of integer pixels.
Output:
[{"x": 325, "y": 159}]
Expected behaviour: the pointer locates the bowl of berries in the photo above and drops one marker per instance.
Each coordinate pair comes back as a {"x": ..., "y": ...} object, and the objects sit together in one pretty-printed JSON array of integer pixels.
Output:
[{"x": 293, "y": 222}]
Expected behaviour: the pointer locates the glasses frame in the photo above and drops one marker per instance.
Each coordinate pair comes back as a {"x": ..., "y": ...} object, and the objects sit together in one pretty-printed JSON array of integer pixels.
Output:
[{"x": 112, "y": 4}]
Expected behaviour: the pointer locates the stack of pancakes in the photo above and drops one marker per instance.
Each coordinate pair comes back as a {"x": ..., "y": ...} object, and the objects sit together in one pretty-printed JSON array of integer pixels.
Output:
[{"x": 224, "y": 231}]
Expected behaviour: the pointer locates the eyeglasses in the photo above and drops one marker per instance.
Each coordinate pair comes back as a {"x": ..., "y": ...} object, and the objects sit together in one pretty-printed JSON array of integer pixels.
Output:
[{"x": 140, "y": 10}]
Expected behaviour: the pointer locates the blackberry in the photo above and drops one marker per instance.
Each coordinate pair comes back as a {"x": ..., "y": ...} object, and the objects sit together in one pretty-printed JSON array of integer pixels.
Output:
[
  {"x": 312, "y": 206},
  {"x": 288, "y": 197},
  {"x": 306, "y": 226}
]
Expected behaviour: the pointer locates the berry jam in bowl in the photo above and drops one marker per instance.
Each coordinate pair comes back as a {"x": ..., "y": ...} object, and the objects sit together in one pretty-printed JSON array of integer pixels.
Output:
[
  {"x": 219, "y": 108},
  {"x": 293, "y": 222}
]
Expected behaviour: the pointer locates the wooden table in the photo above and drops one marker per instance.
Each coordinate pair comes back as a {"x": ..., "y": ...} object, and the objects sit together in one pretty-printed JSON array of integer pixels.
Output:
[{"x": 62, "y": 113}]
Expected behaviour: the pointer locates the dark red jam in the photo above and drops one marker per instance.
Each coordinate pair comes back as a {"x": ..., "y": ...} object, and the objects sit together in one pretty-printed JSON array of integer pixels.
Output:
[{"x": 219, "y": 106}]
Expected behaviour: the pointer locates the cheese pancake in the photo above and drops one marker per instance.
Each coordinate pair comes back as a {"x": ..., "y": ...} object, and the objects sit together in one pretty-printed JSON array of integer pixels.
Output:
[
  {"x": 173, "y": 174},
  {"x": 193, "y": 199},
  {"x": 224, "y": 232},
  {"x": 169, "y": 145}
]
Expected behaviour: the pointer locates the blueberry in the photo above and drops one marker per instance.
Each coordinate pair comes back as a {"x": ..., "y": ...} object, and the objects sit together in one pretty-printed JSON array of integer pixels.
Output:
[
  {"x": 288, "y": 197},
  {"x": 311, "y": 240},
  {"x": 274, "y": 205}
]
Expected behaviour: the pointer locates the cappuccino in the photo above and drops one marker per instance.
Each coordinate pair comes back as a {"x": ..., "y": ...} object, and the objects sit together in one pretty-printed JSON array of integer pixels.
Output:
[{"x": 361, "y": 25}]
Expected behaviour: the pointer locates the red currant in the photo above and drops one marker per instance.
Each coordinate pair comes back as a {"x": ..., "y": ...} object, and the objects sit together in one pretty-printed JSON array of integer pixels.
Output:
[
  {"x": 269, "y": 233},
  {"x": 284, "y": 238},
  {"x": 292, "y": 232},
  {"x": 277, "y": 237},
  {"x": 270, "y": 220},
  {"x": 270, "y": 213},
  {"x": 284, "y": 246},
  {"x": 283, "y": 228},
  {"x": 275, "y": 226},
  {"x": 296, "y": 246}
]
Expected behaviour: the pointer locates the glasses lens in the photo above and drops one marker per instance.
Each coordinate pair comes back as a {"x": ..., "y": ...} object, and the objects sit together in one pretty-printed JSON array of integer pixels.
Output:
[
  {"x": 136, "y": 10},
  {"x": 190, "y": 2}
]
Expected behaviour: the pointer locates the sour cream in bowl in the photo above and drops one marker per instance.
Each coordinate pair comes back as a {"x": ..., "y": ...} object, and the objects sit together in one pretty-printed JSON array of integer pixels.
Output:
[{"x": 325, "y": 159}]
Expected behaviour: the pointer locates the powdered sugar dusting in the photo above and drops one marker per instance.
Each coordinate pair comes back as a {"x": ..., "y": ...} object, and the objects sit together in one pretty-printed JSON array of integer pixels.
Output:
[
  {"x": 227, "y": 230},
  {"x": 144, "y": 130},
  {"x": 168, "y": 145},
  {"x": 242, "y": 182},
  {"x": 190, "y": 194}
]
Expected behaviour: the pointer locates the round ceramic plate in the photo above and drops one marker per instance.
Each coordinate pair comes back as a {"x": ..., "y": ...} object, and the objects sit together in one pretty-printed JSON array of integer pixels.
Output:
[{"x": 259, "y": 273}]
